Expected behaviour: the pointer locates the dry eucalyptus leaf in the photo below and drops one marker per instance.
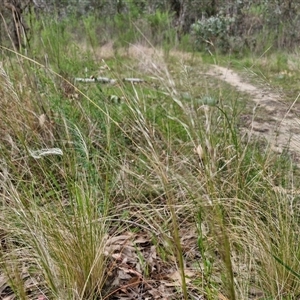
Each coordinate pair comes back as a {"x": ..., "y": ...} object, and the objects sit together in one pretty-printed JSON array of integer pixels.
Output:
[
  {"x": 176, "y": 277},
  {"x": 11, "y": 297}
]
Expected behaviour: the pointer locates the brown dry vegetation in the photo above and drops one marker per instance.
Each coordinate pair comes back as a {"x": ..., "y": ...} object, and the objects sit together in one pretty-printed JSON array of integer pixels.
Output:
[{"x": 165, "y": 195}]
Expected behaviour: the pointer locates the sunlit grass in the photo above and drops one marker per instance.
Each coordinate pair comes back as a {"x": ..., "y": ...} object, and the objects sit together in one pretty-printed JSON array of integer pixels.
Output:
[{"x": 170, "y": 162}]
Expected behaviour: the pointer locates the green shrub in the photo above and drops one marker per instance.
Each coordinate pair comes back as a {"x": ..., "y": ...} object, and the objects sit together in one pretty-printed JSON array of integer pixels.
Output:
[{"x": 212, "y": 32}]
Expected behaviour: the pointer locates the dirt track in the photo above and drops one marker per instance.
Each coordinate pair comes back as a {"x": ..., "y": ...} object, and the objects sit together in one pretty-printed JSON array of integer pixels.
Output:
[{"x": 282, "y": 127}]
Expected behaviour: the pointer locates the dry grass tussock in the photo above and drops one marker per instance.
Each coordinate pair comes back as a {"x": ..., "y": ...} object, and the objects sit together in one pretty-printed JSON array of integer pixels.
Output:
[
  {"x": 22, "y": 117},
  {"x": 170, "y": 203}
]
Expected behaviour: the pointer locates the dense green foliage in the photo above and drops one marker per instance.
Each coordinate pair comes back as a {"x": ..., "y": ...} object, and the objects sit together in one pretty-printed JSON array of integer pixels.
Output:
[{"x": 229, "y": 25}]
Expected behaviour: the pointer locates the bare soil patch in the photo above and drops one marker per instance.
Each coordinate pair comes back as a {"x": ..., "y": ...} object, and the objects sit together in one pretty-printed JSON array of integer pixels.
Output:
[{"x": 281, "y": 127}]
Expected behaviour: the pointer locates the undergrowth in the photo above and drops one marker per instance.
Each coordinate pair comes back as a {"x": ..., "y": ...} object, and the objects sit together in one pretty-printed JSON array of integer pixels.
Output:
[{"x": 160, "y": 193}]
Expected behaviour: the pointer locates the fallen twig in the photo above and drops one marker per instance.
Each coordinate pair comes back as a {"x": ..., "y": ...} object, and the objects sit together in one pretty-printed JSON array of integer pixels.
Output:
[
  {"x": 96, "y": 79},
  {"x": 93, "y": 79}
]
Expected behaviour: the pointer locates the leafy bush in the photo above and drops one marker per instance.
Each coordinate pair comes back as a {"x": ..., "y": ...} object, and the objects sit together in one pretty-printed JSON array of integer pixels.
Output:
[{"x": 213, "y": 31}]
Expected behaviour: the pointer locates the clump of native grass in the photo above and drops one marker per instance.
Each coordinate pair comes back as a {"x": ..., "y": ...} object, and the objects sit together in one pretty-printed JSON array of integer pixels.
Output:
[
  {"x": 197, "y": 170},
  {"x": 52, "y": 215}
]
